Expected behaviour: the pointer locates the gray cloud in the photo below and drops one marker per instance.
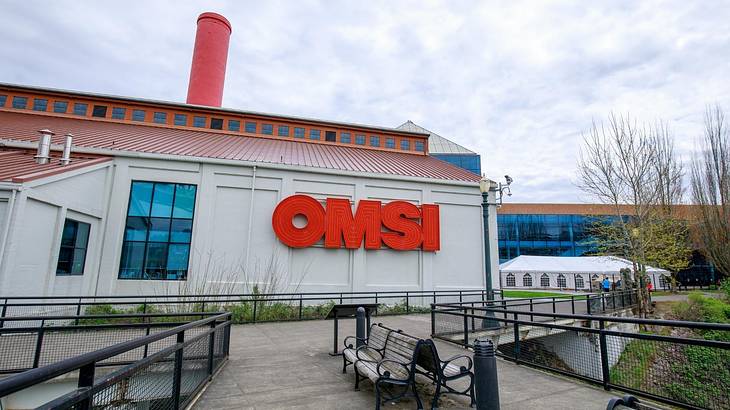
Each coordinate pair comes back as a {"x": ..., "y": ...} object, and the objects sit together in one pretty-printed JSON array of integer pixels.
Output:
[{"x": 515, "y": 81}]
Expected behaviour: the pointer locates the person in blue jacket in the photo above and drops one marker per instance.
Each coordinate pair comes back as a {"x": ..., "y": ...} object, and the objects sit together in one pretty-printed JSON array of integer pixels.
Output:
[{"x": 606, "y": 284}]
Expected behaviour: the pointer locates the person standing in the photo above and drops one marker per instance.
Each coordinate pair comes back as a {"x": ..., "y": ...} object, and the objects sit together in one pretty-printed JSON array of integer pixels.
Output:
[{"x": 606, "y": 284}]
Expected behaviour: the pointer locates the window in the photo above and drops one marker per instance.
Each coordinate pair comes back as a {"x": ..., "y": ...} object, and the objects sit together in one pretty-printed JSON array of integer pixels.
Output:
[
  {"x": 40, "y": 104},
  {"x": 360, "y": 139},
  {"x": 216, "y": 123},
  {"x": 283, "y": 131},
  {"x": 579, "y": 283},
  {"x": 544, "y": 280},
  {"x": 158, "y": 231},
  {"x": 390, "y": 143},
  {"x": 405, "y": 145},
  {"x": 60, "y": 106},
  {"x": 181, "y": 120},
  {"x": 138, "y": 115},
  {"x": 159, "y": 117},
  {"x": 3, "y": 98},
  {"x": 234, "y": 125},
  {"x": 74, "y": 241},
  {"x": 99, "y": 111},
  {"x": 345, "y": 137},
  {"x": 198, "y": 121},
  {"x": 267, "y": 129},
  {"x": 298, "y": 132},
  {"x": 562, "y": 283},
  {"x": 662, "y": 282},
  {"x": 420, "y": 146},
  {"x": 527, "y": 280},
  {"x": 20, "y": 102},
  {"x": 374, "y": 141},
  {"x": 510, "y": 279},
  {"x": 80, "y": 108},
  {"x": 118, "y": 113},
  {"x": 250, "y": 127},
  {"x": 314, "y": 134},
  {"x": 330, "y": 136}
]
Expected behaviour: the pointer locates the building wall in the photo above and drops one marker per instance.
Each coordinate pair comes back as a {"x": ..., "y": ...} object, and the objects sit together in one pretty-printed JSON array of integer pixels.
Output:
[
  {"x": 470, "y": 162},
  {"x": 233, "y": 245}
]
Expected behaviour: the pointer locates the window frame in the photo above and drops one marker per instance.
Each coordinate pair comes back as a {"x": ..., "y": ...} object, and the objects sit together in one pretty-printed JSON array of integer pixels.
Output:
[
  {"x": 73, "y": 248},
  {"x": 300, "y": 132},
  {"x": 197, "y": 123},
  {"x": 236, "y": 128},
  {"x": 547, "y": 277},
  {"x": 77, "y": 109},
  {"x": 527, "y": 280},
  {"x": 159, "y": 117},
  {"x": 405, "y": 144},
  {"x": 375, "y": 141},
  {"x": 282, "y": 130},
  {"x": 43, "y": 102},
  {"x": 19, "y": 102},
  {"x": 57, "y": 107},
  {"x": 313, "y": 133},
  {"x": 267, "y": 129},
  {"x": 360, "y": 139},
  {"x": 579, "y": 282},
  {"x": 345, "y": 138},
  {"x": 147, "y": 240},
  {"x": 563, "y": 280},
  {"x": 250, "y": 126},
  {"x": 99, "y": 111},
  {"x": 116, "y": 111},
  {"x": 510, "y": 280},
  {"x": 181, "y": 120},
  {"x": 135, "y": 113}
]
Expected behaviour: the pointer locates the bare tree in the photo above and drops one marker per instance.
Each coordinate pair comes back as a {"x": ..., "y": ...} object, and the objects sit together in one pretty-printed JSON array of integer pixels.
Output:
[
  {"x": 711, "y": 190},
  {"x": 635, "y": 170}
]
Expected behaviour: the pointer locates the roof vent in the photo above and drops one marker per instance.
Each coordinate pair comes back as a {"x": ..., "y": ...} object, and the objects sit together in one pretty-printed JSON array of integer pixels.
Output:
[
  {"x": 44, "y": 147},
  {"x": 66, "y": 158}
]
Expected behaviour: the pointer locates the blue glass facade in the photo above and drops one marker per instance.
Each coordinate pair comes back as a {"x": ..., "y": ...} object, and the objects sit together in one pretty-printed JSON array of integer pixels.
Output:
[
  {"x": 545, "y": 235},
  {"x": 470, "y": 162}
]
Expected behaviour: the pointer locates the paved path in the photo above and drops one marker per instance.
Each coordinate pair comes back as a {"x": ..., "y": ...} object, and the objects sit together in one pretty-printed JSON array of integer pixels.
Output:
[{"x": 287, "y": 365}]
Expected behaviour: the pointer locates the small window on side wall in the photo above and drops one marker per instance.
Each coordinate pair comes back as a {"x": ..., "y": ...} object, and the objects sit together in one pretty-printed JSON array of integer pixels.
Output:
[{"x": 74, "y": 242}]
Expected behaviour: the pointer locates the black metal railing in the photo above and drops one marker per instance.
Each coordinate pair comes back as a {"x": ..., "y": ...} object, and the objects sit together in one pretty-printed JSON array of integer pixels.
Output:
[
  {"x": 161, "y": 370},
  {"x": 681, "y": 363},
  {"x": 246, "y": 308}
]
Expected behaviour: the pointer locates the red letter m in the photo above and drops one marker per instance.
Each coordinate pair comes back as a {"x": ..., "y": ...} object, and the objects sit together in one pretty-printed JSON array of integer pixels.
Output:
[{"x": 340, "y": 224}]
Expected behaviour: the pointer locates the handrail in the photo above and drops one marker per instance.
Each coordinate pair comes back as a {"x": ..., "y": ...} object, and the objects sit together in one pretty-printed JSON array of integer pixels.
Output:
[
  {"x": 38, "y": 375},
  {"x": 109, "y": 316}
]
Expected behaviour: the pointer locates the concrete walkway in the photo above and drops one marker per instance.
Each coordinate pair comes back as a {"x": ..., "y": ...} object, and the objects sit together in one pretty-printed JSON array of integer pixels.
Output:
[{"x": 287, "y": 365}]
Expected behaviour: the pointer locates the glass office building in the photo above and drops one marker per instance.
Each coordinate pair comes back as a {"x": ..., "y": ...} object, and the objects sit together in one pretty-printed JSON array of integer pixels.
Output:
[{"x": 447, "y": 150}]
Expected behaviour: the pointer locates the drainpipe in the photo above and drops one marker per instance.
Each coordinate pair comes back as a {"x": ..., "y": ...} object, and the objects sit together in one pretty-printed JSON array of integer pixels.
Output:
[
  {"x": 250, "y": 217},
  {"x": 8, "y": 219}
]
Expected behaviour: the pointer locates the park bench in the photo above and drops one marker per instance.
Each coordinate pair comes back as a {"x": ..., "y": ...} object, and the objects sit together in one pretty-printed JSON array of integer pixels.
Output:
[
  {"x": 442, "y": 372},
  {"x": 388, "y": 364}
]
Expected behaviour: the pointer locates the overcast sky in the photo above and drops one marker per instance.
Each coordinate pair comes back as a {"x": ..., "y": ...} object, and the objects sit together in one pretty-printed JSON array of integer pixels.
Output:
[{"x": 515, "y": 81}]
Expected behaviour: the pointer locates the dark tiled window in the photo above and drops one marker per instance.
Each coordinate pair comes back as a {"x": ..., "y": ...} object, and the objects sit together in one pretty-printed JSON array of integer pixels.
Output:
[
  {"x": 360, "y": 139},
  {"x": 181, "y": 119},
  {"x": 330, "y": 136},
  {"x": 314, "y": 134},
  {"x": 390, "y": 142},
  {"x": 345, "y": 137},
  {"x": 198, "y": 121},
  {"x": 20, "y": 102},
  {"x": 158, "y": 231},
  {"x": 267, "y": 129},
  {"x": 3, "y": 98},
  {"x": 234, "y": 125},
  {"x": 298, "y": 132},
  {"x": 138, "y": 115},
  {"x": 216, "y": 123},
  {"x": 60, "y": 106},
  {"x": 80, "y": 108},
  {"x": 405, "y": 145},
  {"x": 283, "y": 131},
  {"x": 159, "y": 117},
  {"x": 74, "y": 241},
  {"x": 99, "y": 111},
  {"x": 251, "y": 127},
  {"x": 420, "y": 146},
  {"x": 40, "y": 104},
  {"x": 374, "y": 141},
  {"x": 118, "y": 113}
]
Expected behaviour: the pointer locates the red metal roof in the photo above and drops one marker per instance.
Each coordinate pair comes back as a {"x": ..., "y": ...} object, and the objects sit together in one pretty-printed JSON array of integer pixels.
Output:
[
  {"x": 158, "y": 140},
  {"x": 18, "y": 165}
]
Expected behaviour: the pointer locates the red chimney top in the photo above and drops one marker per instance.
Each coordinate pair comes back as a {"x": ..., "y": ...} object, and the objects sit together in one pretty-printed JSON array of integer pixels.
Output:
[{"x": 208, "y": 71}]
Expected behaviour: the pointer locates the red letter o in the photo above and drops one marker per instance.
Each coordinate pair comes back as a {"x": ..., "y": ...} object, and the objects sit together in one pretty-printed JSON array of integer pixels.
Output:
[{"x": 283, "y": 224}]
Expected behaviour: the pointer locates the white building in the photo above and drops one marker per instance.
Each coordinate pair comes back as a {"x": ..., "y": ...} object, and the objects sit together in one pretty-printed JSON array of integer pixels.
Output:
[{"x": 218, "y": 176}]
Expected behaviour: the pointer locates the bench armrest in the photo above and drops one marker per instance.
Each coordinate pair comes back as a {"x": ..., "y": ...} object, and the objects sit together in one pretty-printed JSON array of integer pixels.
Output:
[
  {"x": 468, "y": 366},
  {"x": 353, "y": 339},
  {"x": 385, "y": 373}
]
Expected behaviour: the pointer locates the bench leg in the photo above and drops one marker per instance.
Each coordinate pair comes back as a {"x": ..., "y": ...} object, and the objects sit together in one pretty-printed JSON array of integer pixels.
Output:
[
  {"x": 344, "y": 364},
  {"x": 436, "y": 394},
  {"x": 357, "y": 380},
  {"x": 415, "y": 393},
  {"x": 471, "y": 391},
  {"x": 377, "y": 395}
]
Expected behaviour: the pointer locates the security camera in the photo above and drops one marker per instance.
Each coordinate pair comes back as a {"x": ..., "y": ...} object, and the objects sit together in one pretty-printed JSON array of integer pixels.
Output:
[{"x": 508, "y": 179}]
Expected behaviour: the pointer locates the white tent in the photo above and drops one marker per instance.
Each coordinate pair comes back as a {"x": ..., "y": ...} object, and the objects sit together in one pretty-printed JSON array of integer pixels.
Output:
[{"x": 565, "y": 271}]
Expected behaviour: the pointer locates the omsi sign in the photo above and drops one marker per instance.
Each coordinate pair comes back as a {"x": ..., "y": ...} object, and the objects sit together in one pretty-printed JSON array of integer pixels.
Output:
[{"x": 399, "y": 218}]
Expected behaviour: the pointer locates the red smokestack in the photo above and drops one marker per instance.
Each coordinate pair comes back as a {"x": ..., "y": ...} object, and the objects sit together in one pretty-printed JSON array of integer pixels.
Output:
[{"x": 208, "y": 71}]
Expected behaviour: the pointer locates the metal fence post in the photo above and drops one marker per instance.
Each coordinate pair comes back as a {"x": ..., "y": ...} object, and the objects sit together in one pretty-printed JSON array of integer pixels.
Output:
[
  {"x": 588, "y": 303},
  {"x": 604, "y": 355},
  {"x": 38, "y": 345},
  {"x": 433, "y": 319},
  {"x": 553, "y": 307},
  {"x": 532, "y": 317},
  {"x": 407, "y": 305},
  {"x": 460, "y": 297},
  {"x": 177, "y": 374},
  {"x": 517, "y": 339},
  {"x": 146, "y": 346},
  {"x": 572, "y": 304},
  {"x": 434, "y": 297},
  {"x": 300, "y": 307},
  {"x": 466, "y": 329},
  {"x": 211, "y": 348},
  {"x": 254, "y": 309},
  {"x": 603, "y": 301},
  {"x": 86, "y": 379},
  {"x": 78, "y": 312},
  {"x": 4, "y": 311}
]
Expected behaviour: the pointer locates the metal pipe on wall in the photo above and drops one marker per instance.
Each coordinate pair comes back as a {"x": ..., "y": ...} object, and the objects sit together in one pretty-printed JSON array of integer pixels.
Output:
[{"x": 250, "y": 217}]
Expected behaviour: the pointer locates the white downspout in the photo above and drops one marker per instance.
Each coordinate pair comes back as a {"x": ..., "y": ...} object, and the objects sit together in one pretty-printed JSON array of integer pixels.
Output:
[
  {"x": 250, "y": 218},
  {"x": 8, "y": 216}
]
